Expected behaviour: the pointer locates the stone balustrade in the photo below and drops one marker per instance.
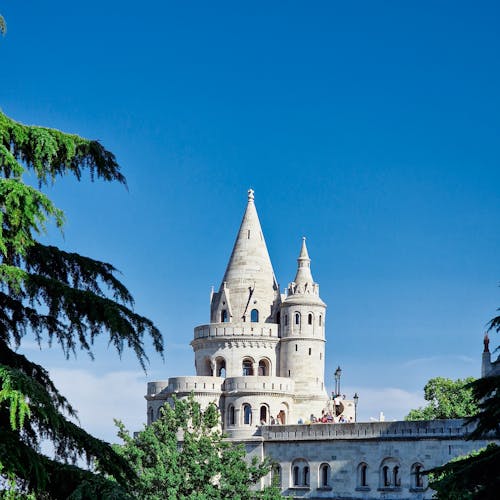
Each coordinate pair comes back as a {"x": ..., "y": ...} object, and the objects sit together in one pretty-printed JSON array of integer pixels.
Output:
[
  {"x": 217, "y": 330},
  {"x": 259, "y": 384}
]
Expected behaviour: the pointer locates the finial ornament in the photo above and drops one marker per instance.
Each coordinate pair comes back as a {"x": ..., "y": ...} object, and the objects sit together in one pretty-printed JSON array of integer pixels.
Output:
[
  {"x": 486, "y": 342},
  {"x": 250, "y": 194}
]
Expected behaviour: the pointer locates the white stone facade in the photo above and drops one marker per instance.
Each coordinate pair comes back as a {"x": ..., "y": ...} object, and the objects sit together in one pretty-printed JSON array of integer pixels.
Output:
[{"x": 261, "y": 359}]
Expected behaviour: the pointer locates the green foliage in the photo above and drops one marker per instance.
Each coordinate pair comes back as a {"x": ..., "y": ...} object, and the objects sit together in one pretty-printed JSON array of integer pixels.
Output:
[
  {"x": 475, "y": 477},
  {"x": 55, "y": 296},
  {"x": 447, "y": 399},
  {"x": 472, "y": 477},
  {"x": 183, "y": 455}
]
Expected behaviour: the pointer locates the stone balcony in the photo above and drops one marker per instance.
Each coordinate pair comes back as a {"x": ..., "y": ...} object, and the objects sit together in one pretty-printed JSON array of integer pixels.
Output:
[{"x": 220, "y": 330}]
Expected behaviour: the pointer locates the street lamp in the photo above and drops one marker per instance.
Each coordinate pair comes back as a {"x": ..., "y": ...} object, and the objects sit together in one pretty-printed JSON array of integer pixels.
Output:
[
  {"x": 356, "y": 398},
  {"x": 338, "y": 373}
]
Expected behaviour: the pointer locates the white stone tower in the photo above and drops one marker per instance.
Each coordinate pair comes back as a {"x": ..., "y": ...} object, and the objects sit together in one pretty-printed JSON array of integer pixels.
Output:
[{"x": 302, "y": 346}]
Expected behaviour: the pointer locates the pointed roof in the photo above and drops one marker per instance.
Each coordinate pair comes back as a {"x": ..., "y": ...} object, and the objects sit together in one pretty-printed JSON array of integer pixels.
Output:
[
  {"x": 304, "y": 275},
  {"x": 249, "y": 274},
  {"x": 303, "y": 289}
]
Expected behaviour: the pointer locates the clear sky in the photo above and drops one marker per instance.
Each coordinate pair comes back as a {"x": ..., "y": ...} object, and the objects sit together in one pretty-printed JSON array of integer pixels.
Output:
[{"x": 372, "y": 128}]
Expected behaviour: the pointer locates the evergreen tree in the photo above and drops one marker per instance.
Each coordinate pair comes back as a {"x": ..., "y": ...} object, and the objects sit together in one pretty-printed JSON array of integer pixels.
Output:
[
  {"x": 57, "y": 297},
  {"x": 183, "y": 455},
  {"x": 475, "y": 477}
]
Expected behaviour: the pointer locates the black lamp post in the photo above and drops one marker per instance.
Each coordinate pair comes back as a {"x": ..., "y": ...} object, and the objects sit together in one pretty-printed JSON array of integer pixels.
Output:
[
  {"x": 356, "y": 398},
  {"x": 338, "y": 373}
]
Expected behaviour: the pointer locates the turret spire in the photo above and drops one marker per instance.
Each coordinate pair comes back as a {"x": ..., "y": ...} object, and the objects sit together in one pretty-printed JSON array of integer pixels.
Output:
[
  {"x": 304, "y": 275},
  {"x": 249, "y": 278}
]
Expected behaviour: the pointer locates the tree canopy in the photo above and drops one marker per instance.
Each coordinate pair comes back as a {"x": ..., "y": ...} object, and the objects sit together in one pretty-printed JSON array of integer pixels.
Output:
[
  {"x": 202, "y": 465},
  {"x": 447, "y": 399},
  {"x": 57, "y": 297}
]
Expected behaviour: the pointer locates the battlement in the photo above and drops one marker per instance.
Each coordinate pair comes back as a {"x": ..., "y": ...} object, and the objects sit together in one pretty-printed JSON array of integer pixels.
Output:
[
  {"x": 369, "y": 430},
  {"x": 186, "y": 384},
  {"x": 215, "y": 330}
]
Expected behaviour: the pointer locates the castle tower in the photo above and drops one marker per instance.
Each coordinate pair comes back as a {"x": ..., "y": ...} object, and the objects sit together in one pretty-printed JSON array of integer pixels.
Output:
[
  {"x": 302, "y": 346},
  {"x": 242, "y": 336}
]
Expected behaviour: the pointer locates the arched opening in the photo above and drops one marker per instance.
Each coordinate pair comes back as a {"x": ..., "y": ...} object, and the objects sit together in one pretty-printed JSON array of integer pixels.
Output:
[
  {"x": 396, "y": 480},
  {"x": 263, "y": 417},
  {"x": 247, "y": 414},
  {"x": 220, "y": 365},
  {"x": 264, "y": 368},
  {"x": 276, "y": 476},
  {"x": 320, "y": 320},
  {"x": 300, "y": 472},
  {"x": 254, "y": 316},
  {"x": 362, "y": 469},
  {"x": 224, "y": 318},
  {"x": 297, "y": 318},
  {"x": 208, "y": 367},
  {"x": 417, "y": 476},
  {"x": 385, "y": 476},
  {"x": 231, "y": 416},
  {"x": 286, "y": 319},
  {"x": 150, "y": 415},
  {"x": 324, "y": 475},
  {"x": 309, "y": 319},
  {"x": 247, "y": 367}
]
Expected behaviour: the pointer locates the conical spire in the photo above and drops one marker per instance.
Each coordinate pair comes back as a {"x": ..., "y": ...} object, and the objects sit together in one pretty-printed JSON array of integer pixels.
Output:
[
  {"x": 249, "y": 275},
  {"x": 303, "y": 285},
  {"x": 304, "y": 275}
]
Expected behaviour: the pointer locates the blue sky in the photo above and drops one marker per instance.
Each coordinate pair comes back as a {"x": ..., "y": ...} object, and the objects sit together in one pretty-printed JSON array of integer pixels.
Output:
[{"x": 369, "y": 127}]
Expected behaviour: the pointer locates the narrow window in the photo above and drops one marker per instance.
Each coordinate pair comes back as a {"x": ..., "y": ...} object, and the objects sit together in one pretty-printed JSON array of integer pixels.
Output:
[
  {"x": 254, "y": 316},
  {"x": 395, "y": 476},
  {"x": 296, "y": 347},
  {"x": 324, "y": 475},
  {"x": 309, "y": 351},
  {"x": 306, "y": 476},
  {"x": 151, "y": 415},
  {"x": 248, "y": 234},
  {"x": 419, "y": 481},
  {"x": 276, "y": 476},
  {"x": 231, "y": 415},
  {"x": 223, "y": 316},
  {"x": 296, "y": 475},
  {"x": 309, "y": 319},
  {"x": 362, "y": 475},
  {"x": 297, "y": 318},
  {"x": 385, "y": 472},
  {"x": 320, "y": 356},
  {"x": 247, "y": 414},
  {"x": 263, "y": 415},
  {"x": 286, "y": 319},
  {"x": 288, "y": 372},
  {"x": 320, "y": 320}
]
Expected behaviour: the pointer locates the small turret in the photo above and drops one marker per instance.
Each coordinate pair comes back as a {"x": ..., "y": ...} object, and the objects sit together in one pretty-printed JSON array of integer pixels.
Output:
[{"x": 486, "y": 361}]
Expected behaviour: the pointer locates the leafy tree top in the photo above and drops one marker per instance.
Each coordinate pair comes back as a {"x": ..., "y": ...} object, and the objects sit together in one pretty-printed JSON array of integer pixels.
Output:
[{"x": 447, "y": 399}]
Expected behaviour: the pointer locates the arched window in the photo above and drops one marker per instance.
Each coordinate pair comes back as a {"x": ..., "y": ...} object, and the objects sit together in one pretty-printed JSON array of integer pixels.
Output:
[
  {"x": 320, "y": 320},
  {"x": 309, "y": 319},
  {"x": 306, "y": 476},
  {"x": 231, "y": 418},
  {"x": 417, "y": 478},
  {"x": 263, "y": 368},
  {"x": 223, "y": 316},
  {"x": 254, "y": 316},
  {"x": 247, "y": 414},
  {"x": 151, "y": 415},
  {"x": 263, "y": 415},
  {"x": 324, "y": 475},
  {"x": 297, "y": 318},
  {"x": 276, "y": 476},
  {"x": 220, "y": 367},
  {"x": 362, "y": 470},
  {"x": 389, "y": 474},
  {"x": 396, "y": 480},
  {"x": 300, "y": 472},
  {"x": 247, "y": 367},
  {"x": 385, "y": 476},
  {"x": 286, "y": 319}
]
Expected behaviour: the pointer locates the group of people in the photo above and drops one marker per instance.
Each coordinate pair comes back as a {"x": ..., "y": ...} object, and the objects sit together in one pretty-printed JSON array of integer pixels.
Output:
[{"x": 327, "y": 417}]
